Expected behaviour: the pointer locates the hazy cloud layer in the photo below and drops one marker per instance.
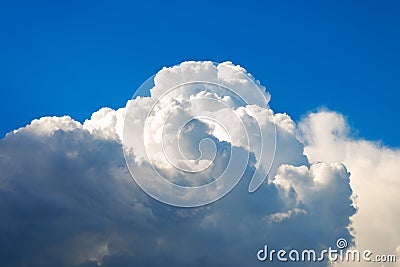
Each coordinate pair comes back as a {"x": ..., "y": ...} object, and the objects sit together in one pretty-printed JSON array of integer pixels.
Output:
[{"x": 375, "y": 179}]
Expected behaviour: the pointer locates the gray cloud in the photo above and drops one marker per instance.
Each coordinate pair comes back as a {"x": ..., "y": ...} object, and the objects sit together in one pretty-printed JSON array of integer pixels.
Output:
[{"x": 67, "y": 199}]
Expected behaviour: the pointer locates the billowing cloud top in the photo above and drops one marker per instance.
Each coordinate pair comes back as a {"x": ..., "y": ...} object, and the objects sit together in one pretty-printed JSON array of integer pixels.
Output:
[{"x": 68, "y": 199}]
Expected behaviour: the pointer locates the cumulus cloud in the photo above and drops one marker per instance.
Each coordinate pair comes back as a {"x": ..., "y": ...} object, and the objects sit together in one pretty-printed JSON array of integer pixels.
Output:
[
  {"x": 67, "y": 197},
  {"x": 375, "y": 173},
  {"x": 280, "y": 216}
]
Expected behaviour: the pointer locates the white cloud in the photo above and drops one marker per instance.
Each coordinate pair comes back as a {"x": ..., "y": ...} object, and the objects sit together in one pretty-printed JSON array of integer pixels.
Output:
[
  {"x": 280, "y": 216},
  {"x": 375, "y": 173},
  {"x": 67, "y": 199}
]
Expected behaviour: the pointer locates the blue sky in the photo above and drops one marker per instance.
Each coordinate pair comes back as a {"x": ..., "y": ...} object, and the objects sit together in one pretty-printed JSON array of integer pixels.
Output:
[
  {"x": 67, "y": 197},
  {"x": 74, "y": 57}
]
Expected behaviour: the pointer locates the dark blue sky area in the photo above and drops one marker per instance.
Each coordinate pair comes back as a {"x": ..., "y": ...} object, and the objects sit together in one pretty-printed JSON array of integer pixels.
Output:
[{"x": 73, "y": 57}]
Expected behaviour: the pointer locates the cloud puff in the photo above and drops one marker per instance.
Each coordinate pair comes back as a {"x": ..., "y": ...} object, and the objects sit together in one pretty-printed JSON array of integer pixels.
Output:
[
  {"x": 280, "y": 216},
  {"x": 375, "y": 173},
  {"x": 67, "y": 198}
]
